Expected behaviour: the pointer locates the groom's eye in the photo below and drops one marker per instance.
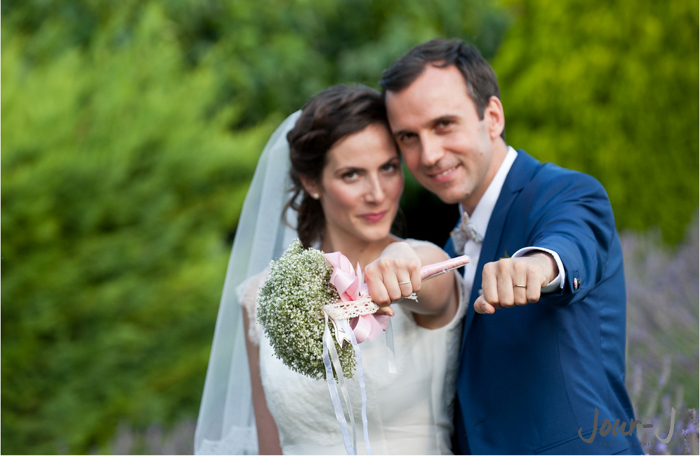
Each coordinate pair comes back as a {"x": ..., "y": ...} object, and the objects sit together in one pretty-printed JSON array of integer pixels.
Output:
[
  {"x": 407, "y": 137},
  {"x": 444, "y": 124}
]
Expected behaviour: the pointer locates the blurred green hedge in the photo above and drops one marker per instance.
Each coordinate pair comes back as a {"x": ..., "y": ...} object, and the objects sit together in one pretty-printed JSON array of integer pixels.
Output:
[
  {"x": 610, "y": 88},
  {"x": 119, "y": 186}
]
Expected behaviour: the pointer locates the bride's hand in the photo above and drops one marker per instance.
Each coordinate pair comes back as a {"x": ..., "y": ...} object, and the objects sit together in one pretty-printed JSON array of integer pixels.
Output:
[{"x": 395, "y": 274}]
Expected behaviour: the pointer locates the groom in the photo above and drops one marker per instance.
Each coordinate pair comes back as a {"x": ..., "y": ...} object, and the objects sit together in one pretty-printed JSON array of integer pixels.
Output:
[{"x": 543, "y": 350}]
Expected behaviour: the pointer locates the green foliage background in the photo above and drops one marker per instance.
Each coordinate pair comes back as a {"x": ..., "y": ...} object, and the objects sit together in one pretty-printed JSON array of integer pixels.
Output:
[
  {"x": 131, "y": 130},
  {"x": 611, "y": 89}
]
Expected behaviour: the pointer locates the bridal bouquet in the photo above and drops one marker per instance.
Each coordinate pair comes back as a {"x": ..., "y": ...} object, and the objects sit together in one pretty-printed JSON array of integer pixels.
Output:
[{"x": 290, "y": 310}]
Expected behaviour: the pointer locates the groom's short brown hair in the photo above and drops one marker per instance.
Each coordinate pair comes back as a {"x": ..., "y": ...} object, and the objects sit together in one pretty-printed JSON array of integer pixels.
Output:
[{"x": 478, "y": 75}]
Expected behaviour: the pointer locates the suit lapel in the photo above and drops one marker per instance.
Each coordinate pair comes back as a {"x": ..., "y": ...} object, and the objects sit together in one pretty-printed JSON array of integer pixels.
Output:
[{"x": 519, "y": 175}]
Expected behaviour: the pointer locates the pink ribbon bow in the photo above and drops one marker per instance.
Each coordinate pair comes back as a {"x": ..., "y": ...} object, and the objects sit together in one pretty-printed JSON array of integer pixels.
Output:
[{"x": 347, "y": 282}]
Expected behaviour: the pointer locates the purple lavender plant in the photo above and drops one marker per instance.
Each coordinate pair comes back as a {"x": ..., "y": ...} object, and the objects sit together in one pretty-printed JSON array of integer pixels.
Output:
[
  {"x": 662, "y": 337},
  {"x": 153, "y": 440},
  {"x": 690, "y": 433}
]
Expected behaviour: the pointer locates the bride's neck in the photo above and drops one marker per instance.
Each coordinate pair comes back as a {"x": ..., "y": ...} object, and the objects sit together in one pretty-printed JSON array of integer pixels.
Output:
[{"x": 356, "y": 250}]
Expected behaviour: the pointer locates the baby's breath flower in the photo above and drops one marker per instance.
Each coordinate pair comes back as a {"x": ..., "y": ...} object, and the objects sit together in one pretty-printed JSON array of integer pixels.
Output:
[{"x": 289, "y": 309}]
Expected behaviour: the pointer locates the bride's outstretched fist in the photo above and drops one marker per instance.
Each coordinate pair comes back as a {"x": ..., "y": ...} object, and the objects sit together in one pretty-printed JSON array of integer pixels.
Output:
[{"x": 396, "y": 274}]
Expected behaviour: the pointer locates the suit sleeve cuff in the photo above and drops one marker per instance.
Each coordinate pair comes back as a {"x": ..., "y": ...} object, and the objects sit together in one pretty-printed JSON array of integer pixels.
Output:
[{"x": 558, "y": 282}]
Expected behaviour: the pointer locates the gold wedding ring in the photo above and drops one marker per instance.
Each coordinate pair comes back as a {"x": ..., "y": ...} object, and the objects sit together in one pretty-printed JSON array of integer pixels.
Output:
[{"x": 404, "y": 283}]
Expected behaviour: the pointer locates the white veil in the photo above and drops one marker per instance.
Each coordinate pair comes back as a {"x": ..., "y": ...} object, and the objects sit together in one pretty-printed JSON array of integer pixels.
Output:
[{"x": 226, "y": 422}]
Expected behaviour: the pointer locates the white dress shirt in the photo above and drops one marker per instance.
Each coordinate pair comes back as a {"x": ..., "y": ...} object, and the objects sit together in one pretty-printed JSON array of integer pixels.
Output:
[{"x": 480, "y": 218}]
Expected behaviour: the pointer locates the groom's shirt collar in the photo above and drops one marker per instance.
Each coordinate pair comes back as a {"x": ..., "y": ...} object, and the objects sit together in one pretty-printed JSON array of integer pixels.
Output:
[{"x": 484, "y": 208}]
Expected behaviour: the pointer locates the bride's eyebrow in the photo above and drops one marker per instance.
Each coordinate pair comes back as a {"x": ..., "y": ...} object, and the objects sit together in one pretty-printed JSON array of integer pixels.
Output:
[
  {"x": 347, "y": 169},
  {"x": 396, "y": 158},
  {"x": 360, "y": 169}
]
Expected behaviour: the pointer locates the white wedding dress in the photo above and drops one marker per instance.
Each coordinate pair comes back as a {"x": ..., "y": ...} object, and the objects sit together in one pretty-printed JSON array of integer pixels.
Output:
[{"x": 409, "y": 412}]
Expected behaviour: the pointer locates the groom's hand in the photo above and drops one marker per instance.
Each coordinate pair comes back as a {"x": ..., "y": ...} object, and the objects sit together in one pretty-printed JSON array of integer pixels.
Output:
[{"x": 515, "y": 281}]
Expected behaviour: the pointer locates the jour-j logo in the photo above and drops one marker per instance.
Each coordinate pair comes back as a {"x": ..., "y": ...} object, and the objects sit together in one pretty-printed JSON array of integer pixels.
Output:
[{"x": 616, "y": 428}]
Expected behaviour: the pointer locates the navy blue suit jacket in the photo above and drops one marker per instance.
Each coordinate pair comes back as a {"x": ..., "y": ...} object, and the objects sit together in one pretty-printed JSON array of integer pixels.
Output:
[{"x": 531, "y": 376}]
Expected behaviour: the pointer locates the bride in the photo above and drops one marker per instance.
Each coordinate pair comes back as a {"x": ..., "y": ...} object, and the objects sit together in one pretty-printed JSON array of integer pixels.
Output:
[{"x": 340, "y": 160}]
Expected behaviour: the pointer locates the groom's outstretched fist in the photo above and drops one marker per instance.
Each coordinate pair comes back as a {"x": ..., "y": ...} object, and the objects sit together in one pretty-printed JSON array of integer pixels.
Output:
[{"x": 515, "y": 281}]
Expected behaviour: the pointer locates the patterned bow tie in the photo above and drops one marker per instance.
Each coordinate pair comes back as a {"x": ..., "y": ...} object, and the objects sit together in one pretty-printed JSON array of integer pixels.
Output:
[{"x": 464, "y": 232}]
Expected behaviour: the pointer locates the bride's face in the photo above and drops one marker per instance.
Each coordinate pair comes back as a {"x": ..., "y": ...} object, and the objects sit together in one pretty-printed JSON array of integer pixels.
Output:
[{"x": 361, "y": 185}]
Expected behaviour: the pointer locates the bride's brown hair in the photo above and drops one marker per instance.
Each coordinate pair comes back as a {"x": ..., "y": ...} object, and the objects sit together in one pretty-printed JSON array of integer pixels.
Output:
[{"x": 327, "y": 118}]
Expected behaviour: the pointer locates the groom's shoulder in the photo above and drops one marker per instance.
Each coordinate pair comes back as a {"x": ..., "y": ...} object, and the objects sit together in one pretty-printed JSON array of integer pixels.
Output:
[
  {"x": 551, "y": 175},
  {"x": 550, "y": 184}
]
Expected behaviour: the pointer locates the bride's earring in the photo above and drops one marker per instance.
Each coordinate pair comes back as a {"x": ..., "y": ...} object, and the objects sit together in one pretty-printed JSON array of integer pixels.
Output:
[{"x": 315, "y": 196}]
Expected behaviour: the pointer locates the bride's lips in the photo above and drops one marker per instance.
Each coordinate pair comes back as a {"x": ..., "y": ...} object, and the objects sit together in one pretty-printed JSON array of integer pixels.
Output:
[
  {"x": 373, "y": 216},
  {"x": 443, "y": 175}
]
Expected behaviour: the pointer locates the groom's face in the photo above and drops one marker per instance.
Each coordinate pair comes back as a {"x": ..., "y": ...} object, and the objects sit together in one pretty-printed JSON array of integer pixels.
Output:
[{"x": 445, "y": 145}]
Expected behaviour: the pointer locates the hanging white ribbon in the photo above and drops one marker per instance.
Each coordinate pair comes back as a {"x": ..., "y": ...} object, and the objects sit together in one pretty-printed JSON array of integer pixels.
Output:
[
  {"x": 334, "y": 362},
  {"x": 361, "y": 379},
  {"x": 389, "y": 331},
  {"x": 328, "y": 345}
]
